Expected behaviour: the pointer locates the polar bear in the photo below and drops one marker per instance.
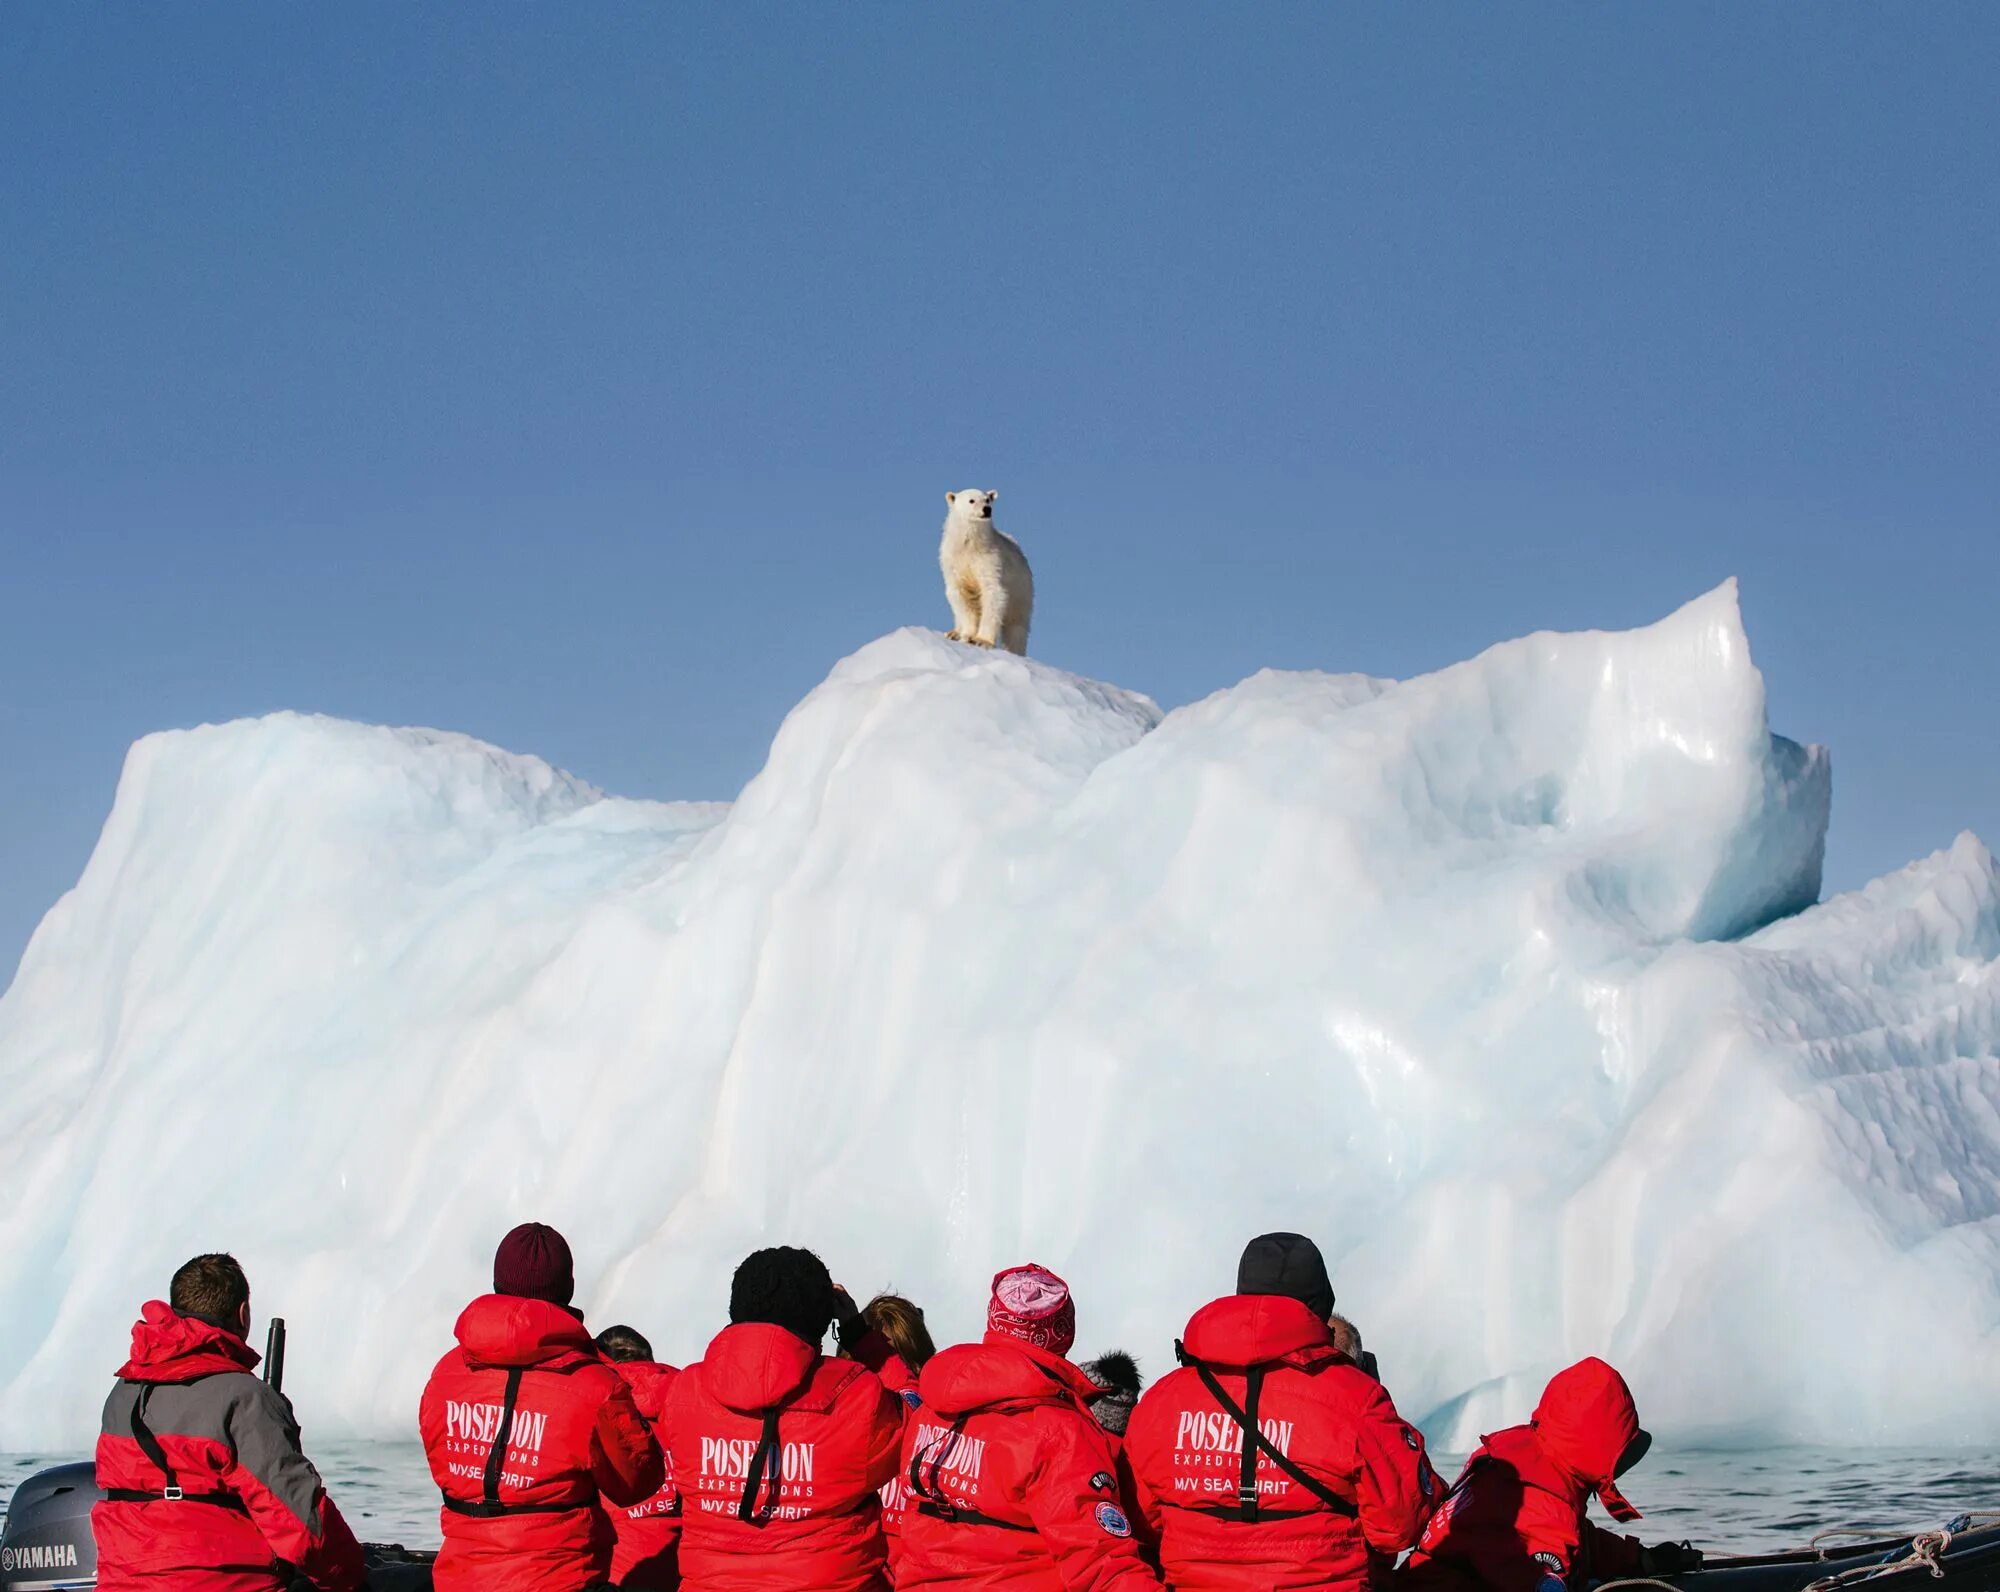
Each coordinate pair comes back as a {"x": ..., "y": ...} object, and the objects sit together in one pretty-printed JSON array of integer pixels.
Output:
[{"x": 986, "y": 577}]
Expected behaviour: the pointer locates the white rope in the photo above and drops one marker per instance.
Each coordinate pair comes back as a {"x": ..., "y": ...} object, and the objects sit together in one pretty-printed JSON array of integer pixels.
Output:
[
  {"x": 1926, "y": 1549},
  {"x": 1858, "y": 1533}
]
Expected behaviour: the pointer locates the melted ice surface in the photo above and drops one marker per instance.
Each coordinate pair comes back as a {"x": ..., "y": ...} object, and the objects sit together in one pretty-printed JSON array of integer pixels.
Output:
[{"x": 1497, "y": 981}]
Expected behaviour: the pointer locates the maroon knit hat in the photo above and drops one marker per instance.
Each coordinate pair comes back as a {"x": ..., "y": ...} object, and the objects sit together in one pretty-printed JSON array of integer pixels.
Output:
[
  {"x": 1033, "y": 1304},
  {"x": 533, "y": 1262}
]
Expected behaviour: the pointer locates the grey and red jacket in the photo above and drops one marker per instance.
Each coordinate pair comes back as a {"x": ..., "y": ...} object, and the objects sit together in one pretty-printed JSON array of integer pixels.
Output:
[{"x": 206, "y": 1485}]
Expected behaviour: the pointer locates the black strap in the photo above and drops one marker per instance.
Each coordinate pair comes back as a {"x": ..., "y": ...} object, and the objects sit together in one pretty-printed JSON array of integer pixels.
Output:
[
  {"x": 768, "y": 1457},
  {"x": 494, "y": 1511},
  {"x": 149, "y": 1445},
  {"x": 142, "y": 1434},
  {"x": 933, "y": 1503},
  {"x": 489, "y": 1506},
  {"x": 496, "y": 1456},
  {"x": 930, "y": 1496},
  {"x": 1246, "y": 1482},
  {"x": 953, "y": 1515},
  {"x": 138, "y": 1495},
  {"x": 1255, "y": 1441},
  {"x": 170, "y": 1488}
]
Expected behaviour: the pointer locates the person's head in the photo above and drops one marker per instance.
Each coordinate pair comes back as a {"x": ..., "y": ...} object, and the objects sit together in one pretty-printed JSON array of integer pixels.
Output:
[
  {"x": 1347, "y": 1341},
  {"x": 212, "y": 1288},
  {"x": 623, "y": 1343},
  {"x": 1031, "y": 1303},
  {"x": 1288, "y": 1265},
  {"x": 1588, "y": 1422},
  {"x": 533, "y": 1262},
  {"x": 785, "y": 1287},
  {"x": 902, "y": 1327},
  {"x": 1118, "y": 1374}
]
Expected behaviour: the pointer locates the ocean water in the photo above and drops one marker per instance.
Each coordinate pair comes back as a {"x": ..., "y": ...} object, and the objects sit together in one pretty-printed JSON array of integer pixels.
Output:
[{"x": 1754, "y": 1500}]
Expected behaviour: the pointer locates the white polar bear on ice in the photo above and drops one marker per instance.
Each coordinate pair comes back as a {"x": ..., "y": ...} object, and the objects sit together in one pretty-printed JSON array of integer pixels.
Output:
[{"x": 986, "y": 576}]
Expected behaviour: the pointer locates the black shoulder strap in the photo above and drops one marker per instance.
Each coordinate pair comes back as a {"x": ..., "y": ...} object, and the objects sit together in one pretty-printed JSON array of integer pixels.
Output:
[
  {"x": 1246, "y": 1484},
  {"x": 156, "y": 1455},
  {"x": 496, "y": 1456},
  {"x": 489, "y": 1506},
  {"x": 768, "y": 1458},
  {"x": 1254, "y": 1441},
  {"x": 931, "y": 1500},
  {"x": 149, "y": 1443},
  {"x": 938, "y": 1453}
]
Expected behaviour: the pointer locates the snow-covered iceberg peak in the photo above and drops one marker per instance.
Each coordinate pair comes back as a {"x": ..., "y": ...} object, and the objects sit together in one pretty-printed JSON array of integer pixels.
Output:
[{"x": 991, "y": 961}]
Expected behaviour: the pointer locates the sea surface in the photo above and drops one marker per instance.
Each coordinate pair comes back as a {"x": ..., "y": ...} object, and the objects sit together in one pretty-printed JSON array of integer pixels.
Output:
[{"x": 1751, "y": 1500}]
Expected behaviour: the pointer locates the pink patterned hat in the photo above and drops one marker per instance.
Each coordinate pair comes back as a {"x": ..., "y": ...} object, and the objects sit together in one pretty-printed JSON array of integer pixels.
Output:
[{"x": 1033, "y": 1304}]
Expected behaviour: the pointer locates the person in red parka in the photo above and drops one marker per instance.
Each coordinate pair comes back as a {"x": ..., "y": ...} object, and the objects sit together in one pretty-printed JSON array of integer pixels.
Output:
[
  {"x": 778, "y": 1451},
  {"x": 888, "y": 1336},
  {"x": 1516, "y": 1519},
  {"x": 649, "y": 1534},
  {"x": 1013, "y": 1484},
  {"x": 205, "y": 1486},
  {"x": 1269, "y": 1459},
  {"x": 530, "y": 1432}
]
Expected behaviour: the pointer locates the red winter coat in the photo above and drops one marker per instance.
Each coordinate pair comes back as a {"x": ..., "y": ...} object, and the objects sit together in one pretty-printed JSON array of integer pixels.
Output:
[
  {"x": 577, "y": 1442},
  {"x": 874, "y": 1352},
  {"x": 1016, "y": 1486},
  {"x": 649, "y": 1534},
  {"x": 1515, "y": 1520},
  {"x": 834, "y": 1431},
  {"x": 1329, "y": 1418},
  {"x": 250, "y": 1497}
]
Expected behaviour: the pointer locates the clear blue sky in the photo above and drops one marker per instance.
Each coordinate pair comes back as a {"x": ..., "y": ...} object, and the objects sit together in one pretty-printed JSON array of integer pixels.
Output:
[{"x": 588, "y": 377}]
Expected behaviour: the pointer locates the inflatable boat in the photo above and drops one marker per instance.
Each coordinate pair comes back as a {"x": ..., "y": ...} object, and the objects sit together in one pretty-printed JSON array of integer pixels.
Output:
[
  {"x": 1962, "y": 1555},
  {"x": 46, "y": 1546}
]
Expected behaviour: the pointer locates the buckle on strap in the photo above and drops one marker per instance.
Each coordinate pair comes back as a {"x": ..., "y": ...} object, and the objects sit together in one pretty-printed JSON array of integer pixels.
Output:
[
  {"x": 1246, "y": 1495},
  {"x": 172, "y": 1493}
]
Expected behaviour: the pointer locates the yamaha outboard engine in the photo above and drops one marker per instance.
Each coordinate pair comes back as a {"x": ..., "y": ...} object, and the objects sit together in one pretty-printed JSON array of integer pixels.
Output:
[{"x": 46, "y": 1545}]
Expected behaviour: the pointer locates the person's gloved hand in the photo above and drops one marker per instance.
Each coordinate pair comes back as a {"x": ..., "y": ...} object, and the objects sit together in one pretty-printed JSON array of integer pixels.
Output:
[{"x": 1669, "y": 1558}]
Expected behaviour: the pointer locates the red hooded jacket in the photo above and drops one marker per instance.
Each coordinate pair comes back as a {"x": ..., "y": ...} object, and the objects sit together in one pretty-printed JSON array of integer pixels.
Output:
[
  {"x": 249, "y": 1497},
  {"x": 1015, "y": 1486},
  {"x": 576, "y": 1440},
  {"x": 1515, "y": 1520},
  {"x": 649, "y": 1534},
  {"x": 767, "y": 1425},
  {"x": 874, "y": 1352},
  {"x": 1329, "y": 1418}
]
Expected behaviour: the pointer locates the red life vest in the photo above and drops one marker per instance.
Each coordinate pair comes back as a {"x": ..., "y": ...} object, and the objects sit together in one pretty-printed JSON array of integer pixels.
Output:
[
  {"x": 778, "y": 1455},
  {"x": 530, "y": 1433},
  {"x": 1271, "y": 1461},
  {"x": 1014, "y": 1485}
]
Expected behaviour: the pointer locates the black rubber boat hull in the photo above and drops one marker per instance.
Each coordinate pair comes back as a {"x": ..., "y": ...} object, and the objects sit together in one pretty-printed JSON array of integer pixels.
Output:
[
  {"x": 46, "y": 1545},
  {"x": 1971, "y": 1563}
]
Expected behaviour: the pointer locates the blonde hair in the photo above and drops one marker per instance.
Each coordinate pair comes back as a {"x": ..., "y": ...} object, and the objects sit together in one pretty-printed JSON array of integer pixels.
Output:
[{"x": 902, "y": 1324}]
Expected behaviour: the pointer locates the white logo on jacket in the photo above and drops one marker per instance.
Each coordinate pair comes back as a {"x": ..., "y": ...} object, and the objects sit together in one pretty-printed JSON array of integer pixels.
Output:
[
  {"x": 961, "y": 1455},
  {"x": 730, "y": 1457},
  {"x": 1212, "y": 1432},
  {"x": 480, "y": 1423}
]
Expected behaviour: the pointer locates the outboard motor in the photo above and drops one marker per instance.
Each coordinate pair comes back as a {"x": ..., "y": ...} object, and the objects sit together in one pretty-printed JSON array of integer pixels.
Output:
[{"x": 46, "y": 1545}]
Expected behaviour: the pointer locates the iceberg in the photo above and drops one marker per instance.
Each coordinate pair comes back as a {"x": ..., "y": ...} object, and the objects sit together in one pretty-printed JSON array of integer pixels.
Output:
[{"x": 1510, "y": 983}]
